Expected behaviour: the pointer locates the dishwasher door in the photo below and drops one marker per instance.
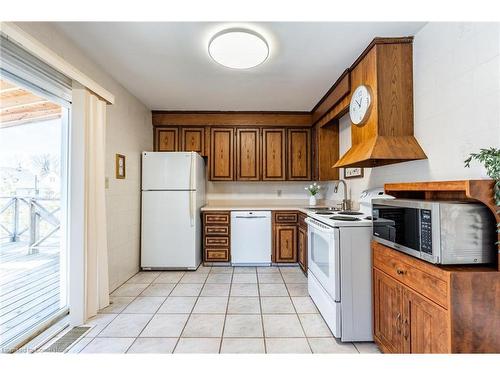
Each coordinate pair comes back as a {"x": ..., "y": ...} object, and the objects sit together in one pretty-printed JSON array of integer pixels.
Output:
[{"x": 251, "y": 237}]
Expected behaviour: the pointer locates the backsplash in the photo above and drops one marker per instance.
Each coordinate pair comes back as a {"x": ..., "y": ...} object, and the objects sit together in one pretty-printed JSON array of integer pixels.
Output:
[{"x": 268, "y": 190}]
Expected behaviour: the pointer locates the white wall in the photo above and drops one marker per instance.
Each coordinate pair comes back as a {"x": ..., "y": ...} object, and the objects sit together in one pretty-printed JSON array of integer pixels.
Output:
[
  {"x": 128, "y": 132},
  {"x": 456, "y": 101}
]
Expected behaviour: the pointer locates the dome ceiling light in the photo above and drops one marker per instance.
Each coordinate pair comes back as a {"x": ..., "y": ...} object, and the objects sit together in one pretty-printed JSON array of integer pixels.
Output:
[{"x": 238, "y": 48}]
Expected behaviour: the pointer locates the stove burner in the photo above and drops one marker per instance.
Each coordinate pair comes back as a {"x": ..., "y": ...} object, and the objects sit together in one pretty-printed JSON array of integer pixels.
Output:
[
  {"x": 370, "y": 218},
  {"x": 350, "y": 213},
  {"x": 344, "y": 218}
]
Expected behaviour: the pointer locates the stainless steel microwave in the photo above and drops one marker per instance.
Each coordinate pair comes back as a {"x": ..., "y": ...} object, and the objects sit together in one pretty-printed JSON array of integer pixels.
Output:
[{"x": 441, "y": 232}]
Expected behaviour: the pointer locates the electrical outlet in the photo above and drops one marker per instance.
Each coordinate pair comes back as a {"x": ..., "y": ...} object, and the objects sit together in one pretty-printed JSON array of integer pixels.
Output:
[
  {"x": 106, "y": 182},
  {"x": 278, "y": 192}
]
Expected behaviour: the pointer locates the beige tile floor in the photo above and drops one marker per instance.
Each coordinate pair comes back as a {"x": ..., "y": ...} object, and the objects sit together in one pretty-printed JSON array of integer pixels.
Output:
[{"x": 214, "y": 310}]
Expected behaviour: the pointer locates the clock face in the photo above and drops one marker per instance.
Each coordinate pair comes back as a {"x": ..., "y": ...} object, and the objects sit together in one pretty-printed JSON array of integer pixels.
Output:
[{"x": 359, "y": 108}]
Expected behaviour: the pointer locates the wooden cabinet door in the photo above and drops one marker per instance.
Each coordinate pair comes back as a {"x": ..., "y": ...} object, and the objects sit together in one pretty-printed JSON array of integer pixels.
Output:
[
  {"x": 221, "y": 154},
  {"x": 299, "y": 154},
  {"x": 302, "y": 248},
  {"x": 387, "y": 299},
  {"x": 285, "y": 243},
  {"x": 425, "y": 325},
  {"x": 167, "y": 139},
  {"x": 247, "y": 155},
  {"x": 273, "y": 154},
  {"x": 193, "y": 139}
]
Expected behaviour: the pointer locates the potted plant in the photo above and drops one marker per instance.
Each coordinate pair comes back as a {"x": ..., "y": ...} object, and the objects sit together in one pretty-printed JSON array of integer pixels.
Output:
[
  {"x": 313, "y": 190},
  {"x": 490, "y": 158}
]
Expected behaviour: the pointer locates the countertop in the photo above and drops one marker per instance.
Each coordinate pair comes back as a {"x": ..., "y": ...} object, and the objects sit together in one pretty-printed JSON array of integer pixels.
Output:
[{"x": 264, "y": 204}]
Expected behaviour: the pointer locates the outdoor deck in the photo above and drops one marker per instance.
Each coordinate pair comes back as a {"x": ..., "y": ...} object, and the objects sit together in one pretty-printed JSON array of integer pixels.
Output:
[{"x": 29, "y": 288}]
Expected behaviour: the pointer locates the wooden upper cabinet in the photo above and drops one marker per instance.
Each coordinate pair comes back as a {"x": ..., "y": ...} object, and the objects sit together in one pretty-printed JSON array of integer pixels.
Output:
[
  {"x": 424, "y": 326},
  {"x": 388, "y": 316},
  {"x": 299, "y": 154},
  {"x": 222, "y": 154},
  {"x": 193, "y": 139},
  {"x": 273, "y": 154},
  {"x": 166, "y": 139},
  {"x": 248, "y": 154}
]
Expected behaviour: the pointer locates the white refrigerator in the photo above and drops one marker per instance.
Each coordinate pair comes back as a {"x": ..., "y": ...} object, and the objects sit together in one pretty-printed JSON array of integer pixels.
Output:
[{"x": 173, "y": 191}]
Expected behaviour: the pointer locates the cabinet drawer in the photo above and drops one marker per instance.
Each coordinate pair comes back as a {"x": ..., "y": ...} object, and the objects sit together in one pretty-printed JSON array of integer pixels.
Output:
[
  {"x": 217, "y": 230},
  {"x": 423, "y": 278},
  {"x": 286, "y": 217},
  {"x": 217, "y": 218},
  {"x": 220, "y": 255},
  {"x": 217, "y": 241}
]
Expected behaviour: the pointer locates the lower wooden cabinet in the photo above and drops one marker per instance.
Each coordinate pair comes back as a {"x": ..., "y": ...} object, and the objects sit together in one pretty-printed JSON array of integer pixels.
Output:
[
  {"x": 425, "y": 308},
  {"x": 302, "y": 242},
  {"x": 285, "y": 244},
  {"x": 425, "y": 326},
  {"x": 387, "y": 296},
  {"x": 216, "y": 236},
  {"x": 285, "y": 236}
]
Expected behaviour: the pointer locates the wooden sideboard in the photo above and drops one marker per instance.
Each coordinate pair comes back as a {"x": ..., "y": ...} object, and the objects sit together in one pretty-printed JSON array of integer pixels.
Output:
[
  {"x": 420, "y": 307},
  {"x": 423, "y": 308}
]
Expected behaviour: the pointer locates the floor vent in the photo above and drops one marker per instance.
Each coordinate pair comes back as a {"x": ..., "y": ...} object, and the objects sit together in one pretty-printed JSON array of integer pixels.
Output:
[{"x": 67, "y": 340}]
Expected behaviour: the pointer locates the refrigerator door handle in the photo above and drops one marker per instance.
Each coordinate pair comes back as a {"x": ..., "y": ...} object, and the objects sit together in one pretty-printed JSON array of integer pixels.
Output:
[{"x": 191, "y": 191}]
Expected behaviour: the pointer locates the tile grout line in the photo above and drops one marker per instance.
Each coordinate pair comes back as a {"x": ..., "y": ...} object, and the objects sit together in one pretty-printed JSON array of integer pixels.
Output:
[
  {"x": 261, "y": 314},
  {"x": 192, "y": 308},
  {"x": 296, "y": 313},
  {"x": 149, "y": 321},
  {"x": 119, "y": 313},
  {"x": 227, "y": 307}
]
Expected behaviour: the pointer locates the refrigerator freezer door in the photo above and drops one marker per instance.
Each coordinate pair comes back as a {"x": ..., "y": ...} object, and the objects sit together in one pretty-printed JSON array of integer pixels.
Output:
[
  {"x": 170, "y": 239},
  {"x": 168, "y": 171}
]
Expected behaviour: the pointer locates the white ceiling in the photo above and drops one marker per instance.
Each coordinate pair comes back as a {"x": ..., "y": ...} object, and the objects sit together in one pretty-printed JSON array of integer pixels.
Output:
[{"x": 166, "y": 65}]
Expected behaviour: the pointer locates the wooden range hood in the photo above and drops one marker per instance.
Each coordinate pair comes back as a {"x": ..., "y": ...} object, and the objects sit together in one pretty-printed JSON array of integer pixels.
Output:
[{"x": 386, "y": 66}]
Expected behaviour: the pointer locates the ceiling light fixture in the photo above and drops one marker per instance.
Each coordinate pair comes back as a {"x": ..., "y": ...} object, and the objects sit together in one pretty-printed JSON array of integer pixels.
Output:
[{"x": 238, "y": 48}]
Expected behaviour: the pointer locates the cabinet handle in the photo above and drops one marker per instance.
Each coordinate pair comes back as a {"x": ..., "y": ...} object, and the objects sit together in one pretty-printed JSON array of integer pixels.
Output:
[
  {"x": 405, "y": 329},
  {"x": 398, "y": 323},
  {"x": 401, "y": 272}
]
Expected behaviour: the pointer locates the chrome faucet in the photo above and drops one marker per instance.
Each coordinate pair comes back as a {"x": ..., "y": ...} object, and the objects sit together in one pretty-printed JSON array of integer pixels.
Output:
[{"x": 346, "y": 203}]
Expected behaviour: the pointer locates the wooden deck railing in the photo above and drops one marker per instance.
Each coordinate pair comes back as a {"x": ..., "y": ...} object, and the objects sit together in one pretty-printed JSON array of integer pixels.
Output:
[{"x": 37, "y": 213}]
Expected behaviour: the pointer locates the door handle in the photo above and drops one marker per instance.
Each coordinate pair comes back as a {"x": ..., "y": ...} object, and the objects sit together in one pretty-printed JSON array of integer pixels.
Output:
[{"x": 405, "y": 329}]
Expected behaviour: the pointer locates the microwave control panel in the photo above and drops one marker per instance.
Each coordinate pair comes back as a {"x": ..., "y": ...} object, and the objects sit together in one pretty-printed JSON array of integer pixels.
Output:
[{"x": 426, "y": 231}]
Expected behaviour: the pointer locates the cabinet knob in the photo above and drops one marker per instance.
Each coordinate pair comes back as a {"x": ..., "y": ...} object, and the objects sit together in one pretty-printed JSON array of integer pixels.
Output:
[{"x": 401, "y": 272}]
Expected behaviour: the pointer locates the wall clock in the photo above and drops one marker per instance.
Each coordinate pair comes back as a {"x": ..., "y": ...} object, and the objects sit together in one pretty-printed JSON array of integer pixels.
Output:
[{"x": 361, "y": 105}]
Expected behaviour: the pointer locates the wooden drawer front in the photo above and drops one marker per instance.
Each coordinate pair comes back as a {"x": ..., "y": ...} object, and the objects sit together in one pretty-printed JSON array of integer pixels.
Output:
[
  {"x": 408, "y": 271},
  {"x": 217, "y": 218},
  {"x": 285, "y": 217},
  {"x": 217, "y": 230},
  {"x": 217, "y": 255},
  {"x": 217, "y": 241}
]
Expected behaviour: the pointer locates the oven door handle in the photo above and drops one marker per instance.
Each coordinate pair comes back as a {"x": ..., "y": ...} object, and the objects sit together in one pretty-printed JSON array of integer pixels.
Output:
[{"x": 319, "y": 226}]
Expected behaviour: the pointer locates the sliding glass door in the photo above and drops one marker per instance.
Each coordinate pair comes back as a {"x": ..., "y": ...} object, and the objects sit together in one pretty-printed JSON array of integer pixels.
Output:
[{"x": 34, "y": 132}]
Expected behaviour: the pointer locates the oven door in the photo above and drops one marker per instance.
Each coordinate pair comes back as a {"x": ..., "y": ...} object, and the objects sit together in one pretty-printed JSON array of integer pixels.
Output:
[{"x": 324, "y": 256}]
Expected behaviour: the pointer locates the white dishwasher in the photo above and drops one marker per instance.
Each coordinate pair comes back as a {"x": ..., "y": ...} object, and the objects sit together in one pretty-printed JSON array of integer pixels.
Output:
[{"x": 251, "y": 237}]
